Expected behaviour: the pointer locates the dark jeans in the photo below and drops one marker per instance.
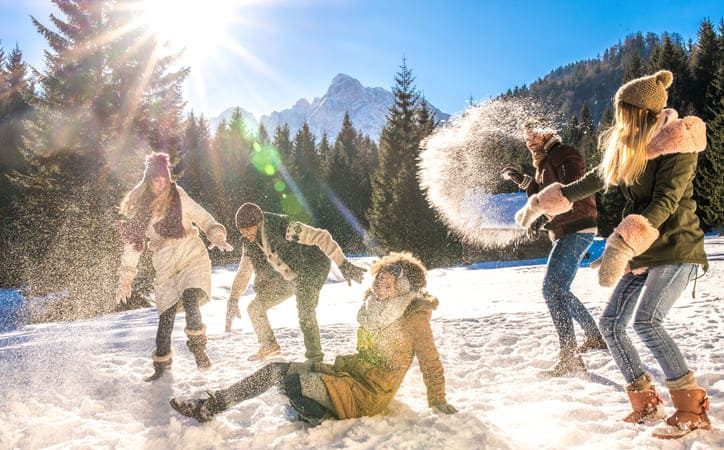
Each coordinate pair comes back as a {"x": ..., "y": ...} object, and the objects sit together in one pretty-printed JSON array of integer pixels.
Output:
[
  {"x": 190, "y": 301},
  {"x": 646, "y": 298},
  {"x": 563, "y": 262}
]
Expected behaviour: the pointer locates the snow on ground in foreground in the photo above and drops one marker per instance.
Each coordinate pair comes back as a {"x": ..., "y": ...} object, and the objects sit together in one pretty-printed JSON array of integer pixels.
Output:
[{"x": 78, "y": 384}]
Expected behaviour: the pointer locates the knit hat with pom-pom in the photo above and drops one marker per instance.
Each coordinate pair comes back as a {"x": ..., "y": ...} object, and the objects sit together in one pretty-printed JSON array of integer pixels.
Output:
[
  {"x": 157, "y": 165},
  {"x": 648, "y": 92}
]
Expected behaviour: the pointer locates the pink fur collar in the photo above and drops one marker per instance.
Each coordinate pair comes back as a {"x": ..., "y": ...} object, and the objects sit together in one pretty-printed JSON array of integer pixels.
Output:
[{"x": 687, "y": 135}]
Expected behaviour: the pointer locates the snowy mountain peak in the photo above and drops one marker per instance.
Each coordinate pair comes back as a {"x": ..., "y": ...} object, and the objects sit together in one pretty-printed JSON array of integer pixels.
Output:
[
  {"x": 367, "y": 108},
  {"x": 344, "y": 85}
]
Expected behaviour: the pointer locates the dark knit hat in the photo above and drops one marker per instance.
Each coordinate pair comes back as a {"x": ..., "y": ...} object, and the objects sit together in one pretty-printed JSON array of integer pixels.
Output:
[
  {"x": 248, "y": 215},
  {"x": 648, "y": 92},
  {"x": 157, "y": 165}
]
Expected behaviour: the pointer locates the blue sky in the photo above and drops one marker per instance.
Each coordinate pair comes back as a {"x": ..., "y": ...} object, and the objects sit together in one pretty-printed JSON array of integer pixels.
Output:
[{"x": 455, "y": 48}]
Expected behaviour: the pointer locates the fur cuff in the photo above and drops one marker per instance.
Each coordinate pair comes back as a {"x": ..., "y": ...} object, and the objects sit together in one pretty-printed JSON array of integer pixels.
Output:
[
  {"x": 161, "y": 359},
  {"x": 200, "y": 332},
  {"x": 215, "y": 230},
  {"x": 552, "y": 200},
  {"x": 686, "y": 382},
  {"x": 687, "y": 135},
  {"x": 637, "y": 232}
]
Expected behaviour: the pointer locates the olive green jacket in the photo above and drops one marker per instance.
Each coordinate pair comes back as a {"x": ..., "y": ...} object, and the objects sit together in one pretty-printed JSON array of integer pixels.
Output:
[{"x": 663, "y": 194}]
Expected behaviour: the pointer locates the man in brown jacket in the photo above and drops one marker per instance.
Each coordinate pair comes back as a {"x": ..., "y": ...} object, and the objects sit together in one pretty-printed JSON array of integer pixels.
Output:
[
  {"x": 394, "y": 329},
  {"x": 572, "y": 234}
]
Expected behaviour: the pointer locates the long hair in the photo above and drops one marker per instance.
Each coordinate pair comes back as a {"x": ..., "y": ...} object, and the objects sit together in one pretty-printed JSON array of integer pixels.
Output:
[
  {"x": 624, "y": 144},
  {"x": 140, "y": 198}
]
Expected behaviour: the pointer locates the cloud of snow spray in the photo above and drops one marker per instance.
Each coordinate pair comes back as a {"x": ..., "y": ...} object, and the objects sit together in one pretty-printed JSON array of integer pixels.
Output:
[{"x": 460, "y": 169}]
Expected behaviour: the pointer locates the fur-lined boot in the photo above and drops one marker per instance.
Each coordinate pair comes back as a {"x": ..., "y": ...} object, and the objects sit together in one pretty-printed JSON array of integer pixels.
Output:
[
  {"x": 691, "y": 403},
  {"x": 197, "y": 344},
  {"x": 161, "y": 364},
  {"x": 645, "y": 401}
]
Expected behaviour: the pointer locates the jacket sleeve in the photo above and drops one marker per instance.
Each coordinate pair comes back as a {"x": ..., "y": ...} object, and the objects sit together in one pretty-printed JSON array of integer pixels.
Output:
[
  {"x": 129, "y": 262},
  {"x": 570, "y": 169},
  {"x": 241, "y": 279},
  {"x": 673, "y": 177},
  {"x": 588, "y": 184},
  {"x": 532, "y": 187},
  {"x": 307, "y": 235},
  {"x": 200, "y": 216},
  {"x": 429, "y": 358}
]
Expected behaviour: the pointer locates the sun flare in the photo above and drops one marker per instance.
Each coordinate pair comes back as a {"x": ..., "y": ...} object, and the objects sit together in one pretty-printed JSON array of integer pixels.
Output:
[{"x": 195, "y": 26}]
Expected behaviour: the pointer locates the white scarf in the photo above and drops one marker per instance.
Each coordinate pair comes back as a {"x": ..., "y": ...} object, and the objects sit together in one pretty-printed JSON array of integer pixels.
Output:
[{"x": 376, "y": 313}]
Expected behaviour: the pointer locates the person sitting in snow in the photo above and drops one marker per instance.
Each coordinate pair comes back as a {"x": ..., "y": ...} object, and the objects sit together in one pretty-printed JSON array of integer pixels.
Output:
[
  {"x": 161, "y": 214},
  {"x": 394, "y": 328},
  {"x": 572, "y": 234},
  {"x": 655, "y": 251},
  {"x": 289, "y": 258}
]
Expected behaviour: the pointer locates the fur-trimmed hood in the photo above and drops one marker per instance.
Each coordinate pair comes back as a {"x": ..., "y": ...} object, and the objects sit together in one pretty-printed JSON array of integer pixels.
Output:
[{"x": 687, "y": 135}]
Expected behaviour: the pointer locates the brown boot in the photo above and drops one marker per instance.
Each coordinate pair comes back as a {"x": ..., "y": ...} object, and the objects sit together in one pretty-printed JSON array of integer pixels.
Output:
[
  {"x": 265, "y": 352},
  {"x": 197, "y": 344},
  {"x": 161, "y": 364},
  {"x": 647, "y": 406},
  {"x": 691, "y": 407},
  {"x": 569, "y": 363},
  {"x": 592, "y": 343}
]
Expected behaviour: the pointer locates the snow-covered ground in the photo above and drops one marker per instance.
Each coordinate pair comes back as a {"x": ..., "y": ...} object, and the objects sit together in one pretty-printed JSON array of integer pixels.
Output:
[{"x": 78, "y": 384}]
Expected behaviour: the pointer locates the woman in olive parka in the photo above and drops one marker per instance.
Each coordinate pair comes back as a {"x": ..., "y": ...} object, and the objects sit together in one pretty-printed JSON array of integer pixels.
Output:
[{"x": 656, "y": 249}]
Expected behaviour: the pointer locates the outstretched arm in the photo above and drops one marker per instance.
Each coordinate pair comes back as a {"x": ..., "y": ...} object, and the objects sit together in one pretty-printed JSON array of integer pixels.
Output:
[
  {"x": 308, "y": 235},
  {"x": 239, "y": 285},
  {"x": 127, "y": 272},
  {"x": 430, "y": 364},
  {"x": 215, "y": 232}
]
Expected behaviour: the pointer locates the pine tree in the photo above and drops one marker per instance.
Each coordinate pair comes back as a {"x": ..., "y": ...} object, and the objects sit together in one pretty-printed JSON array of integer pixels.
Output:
[
  {"x": 347, "y": 189},
  {"x": 588, "y": 145},
  {"x": 308, "y": 176},
  {"x": 16, "y": 91},
  {"x": 704, "y": 66},
  {"x": 106, "y": 94},
  {"x": 634, "y": 68},
  {"x": 672, "y": 55},
  {"x": 400, "y": 218},
  {"x": 709, "y": 181}
]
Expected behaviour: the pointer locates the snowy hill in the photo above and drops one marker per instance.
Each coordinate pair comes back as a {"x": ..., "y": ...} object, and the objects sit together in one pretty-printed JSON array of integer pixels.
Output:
[
  {"x": 367, "y": 109},
  {"x": 78, "y": 384}
]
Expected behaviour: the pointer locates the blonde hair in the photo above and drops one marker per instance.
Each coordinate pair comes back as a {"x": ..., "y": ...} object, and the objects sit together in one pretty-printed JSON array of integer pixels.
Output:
[
  {"x": 141, "y": 197},
  {"x": 624, "y": 144}
]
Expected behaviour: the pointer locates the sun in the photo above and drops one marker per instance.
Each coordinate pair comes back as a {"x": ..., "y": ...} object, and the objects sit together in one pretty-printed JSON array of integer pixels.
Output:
[{"x": 195, "y": 26}]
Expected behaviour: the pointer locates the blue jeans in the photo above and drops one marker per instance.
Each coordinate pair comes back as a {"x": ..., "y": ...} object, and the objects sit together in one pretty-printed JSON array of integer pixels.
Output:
[
  {"x": 647, "y": 298},
  {"x": 563, "y": 262}
]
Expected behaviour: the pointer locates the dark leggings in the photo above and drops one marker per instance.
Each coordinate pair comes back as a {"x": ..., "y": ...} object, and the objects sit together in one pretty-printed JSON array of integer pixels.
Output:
[
  {"x": 273, "y": 374},
  {"x": 190, "y": 300}
]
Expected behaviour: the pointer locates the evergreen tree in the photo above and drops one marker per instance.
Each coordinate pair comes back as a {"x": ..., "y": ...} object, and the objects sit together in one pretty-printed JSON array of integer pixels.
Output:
[
  {"x": 16, "y": 93},
  {"x": 588, "y": 145},
  {"x": 709, "y": 182},
  {"x": 347, "y": 189},
  {"x": 262, "y": 135},
  {"x": 672, "y": 55},
  {"x": 400, "y": 217},
  {"x": 308, "y": 175},
  {"x": 106, "y": 95},
  {"x": 634, "y": 68},
  {"x": 704, "y": 65}
]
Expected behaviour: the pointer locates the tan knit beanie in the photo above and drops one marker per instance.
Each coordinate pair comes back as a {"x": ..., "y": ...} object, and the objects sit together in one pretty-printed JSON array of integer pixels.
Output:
[{"x": 648, "y": 92}]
